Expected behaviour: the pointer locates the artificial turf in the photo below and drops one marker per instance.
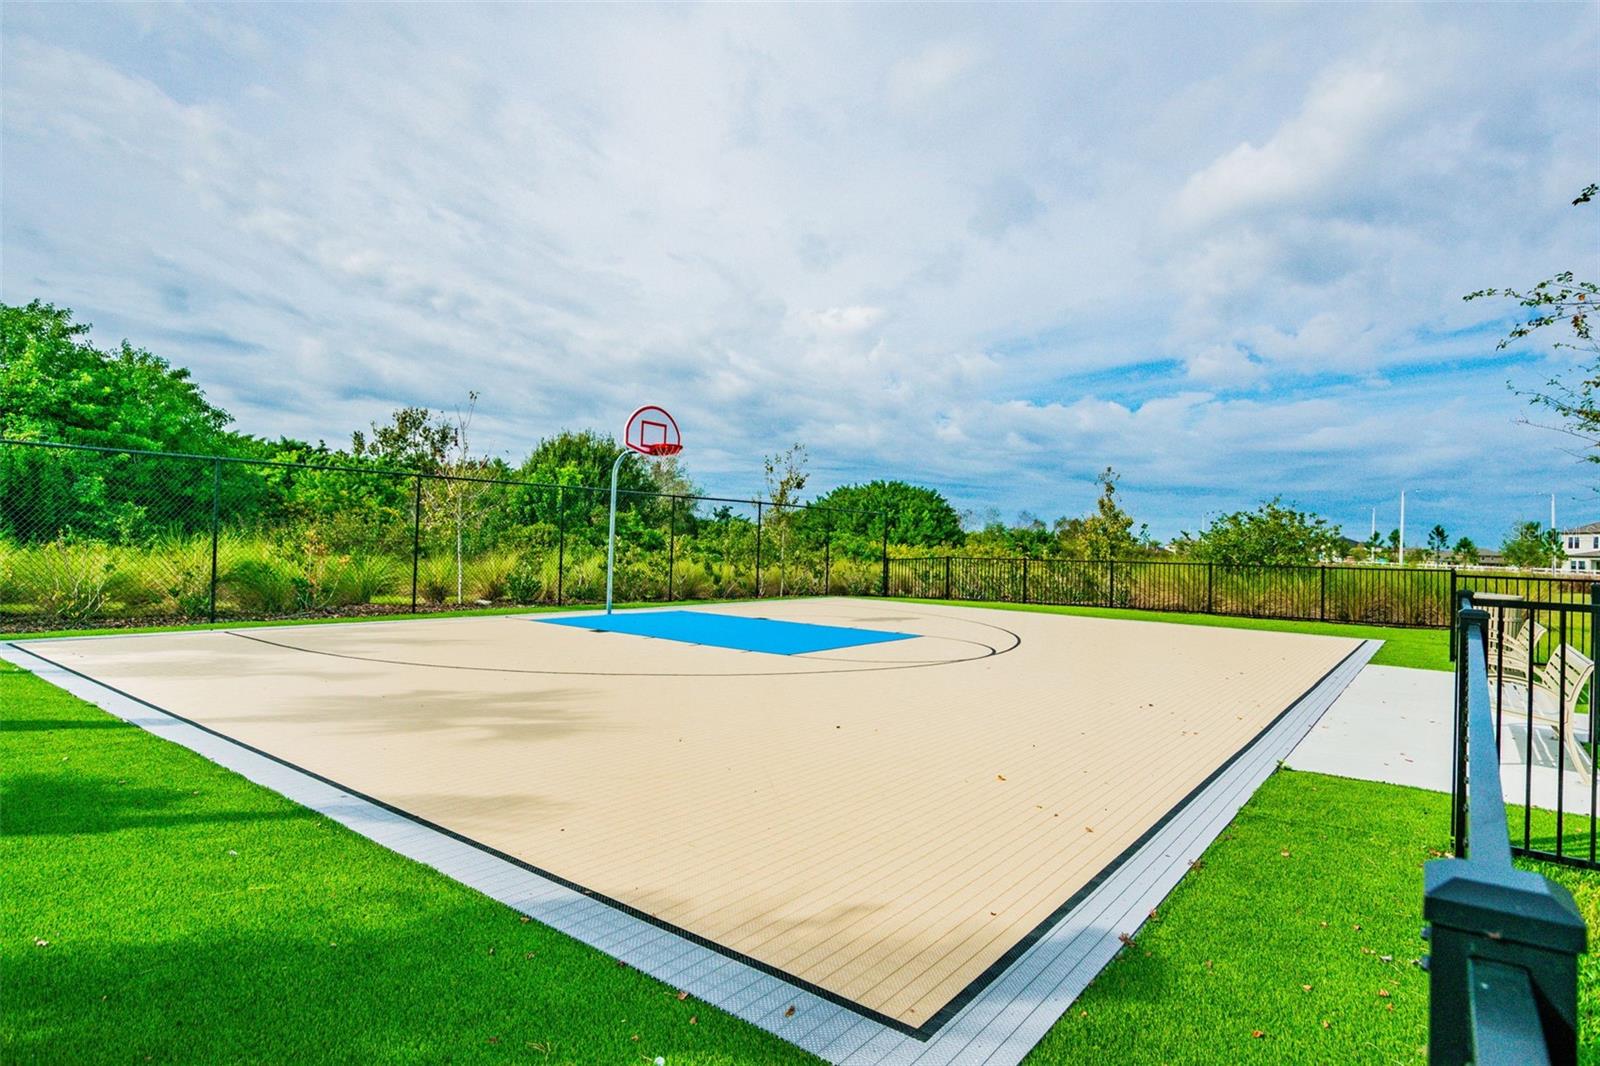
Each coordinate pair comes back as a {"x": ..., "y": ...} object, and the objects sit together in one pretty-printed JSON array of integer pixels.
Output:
[
  {"x": 1423, "y": 649},
  {"x": 159, "y": 908}
]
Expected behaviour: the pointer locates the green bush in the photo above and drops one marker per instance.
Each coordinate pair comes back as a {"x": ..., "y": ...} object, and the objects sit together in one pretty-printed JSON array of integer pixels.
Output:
[
  {"x": 364, "y": 578},
  {"x": 263, "y": 585},
  {"x": 63, "y": 581},
  {"x": 488, "y": 577},
  {"x": 436, "y": 579},
  {"x": 692, "y": 580}
]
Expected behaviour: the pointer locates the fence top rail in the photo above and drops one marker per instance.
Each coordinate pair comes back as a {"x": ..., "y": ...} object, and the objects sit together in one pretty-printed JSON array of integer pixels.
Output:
[
  {"x": 1487, "y": 837},
  {"x": 1442, "y": 572},
  {"x": 1519, "y": 604},
  {"x": 422, "y": 474}
]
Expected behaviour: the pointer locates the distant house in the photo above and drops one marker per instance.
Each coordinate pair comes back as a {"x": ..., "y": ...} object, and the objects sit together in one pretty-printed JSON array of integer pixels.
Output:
[{"x": 1582, "y": 545}]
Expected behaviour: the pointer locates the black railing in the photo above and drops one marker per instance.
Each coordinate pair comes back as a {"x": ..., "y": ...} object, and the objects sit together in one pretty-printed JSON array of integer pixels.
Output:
[
  {"x": 1371, "y": 595},
  {"x": 1504, "y": 942},
  {"x": 91, "y": 535}
]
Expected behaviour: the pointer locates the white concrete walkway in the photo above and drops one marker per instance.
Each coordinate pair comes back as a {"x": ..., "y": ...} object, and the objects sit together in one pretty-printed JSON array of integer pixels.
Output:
[{"x": 1393, "y": 724}]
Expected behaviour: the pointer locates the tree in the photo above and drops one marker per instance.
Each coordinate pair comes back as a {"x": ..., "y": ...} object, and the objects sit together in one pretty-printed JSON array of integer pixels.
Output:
[
  {"x": 1438, "y": 542},
  {"x": 1107, "y": 531},
  {"x": 1558, "y": 301},
  {"x": 917, "y": 516},
  {"x": 785, "y": 475},
  {"x": 579, "y": 459},
  {"x": 1272, "y": 534},
  {"x": 1466, "y": 552},
  {"x": 412, "y": 439},
  {"x": 56, "y": 386},
  {"x": 1530, "y": 544},
  {"x": 415, "y": 438}
]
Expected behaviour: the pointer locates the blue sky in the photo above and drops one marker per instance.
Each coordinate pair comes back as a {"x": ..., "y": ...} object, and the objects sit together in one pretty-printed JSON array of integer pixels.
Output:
[{"x": 990, "y": 249}]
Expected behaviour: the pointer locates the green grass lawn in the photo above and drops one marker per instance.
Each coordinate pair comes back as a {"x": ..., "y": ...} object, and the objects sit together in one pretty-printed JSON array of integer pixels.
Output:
[
  {"x": 159, "y": 908},
  {"x": 1423, "y": 649}
]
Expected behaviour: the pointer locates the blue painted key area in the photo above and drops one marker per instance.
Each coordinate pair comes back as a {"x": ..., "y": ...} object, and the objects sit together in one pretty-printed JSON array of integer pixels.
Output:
[{"x": 731, "y": 631}]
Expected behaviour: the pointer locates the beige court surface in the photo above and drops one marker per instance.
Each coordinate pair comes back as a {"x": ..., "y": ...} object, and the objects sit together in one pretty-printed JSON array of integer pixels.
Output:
[{"x": 883, "y": 823}]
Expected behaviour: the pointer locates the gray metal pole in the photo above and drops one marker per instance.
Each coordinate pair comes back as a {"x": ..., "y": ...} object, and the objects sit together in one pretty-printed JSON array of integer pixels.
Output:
[
  {"x": 216, "y": 504},
  {"x": 611, "y": 533}
]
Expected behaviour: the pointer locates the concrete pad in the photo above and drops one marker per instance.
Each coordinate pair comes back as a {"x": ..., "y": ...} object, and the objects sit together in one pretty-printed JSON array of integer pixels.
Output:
[{"x": 1395, "y": 725}]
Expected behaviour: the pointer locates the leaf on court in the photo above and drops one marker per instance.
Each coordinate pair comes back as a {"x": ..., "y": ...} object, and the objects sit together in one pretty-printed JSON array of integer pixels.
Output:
[
  {"x": 1284, "y": 853},
  {"x": 682, "y": 996},
  {"x": 1088, "y": 829},
  {"x": 1384, "y": 992},
  {"x": 999, "y": 777},
  {"x": 789, "y": 1013},
  {"x": 1327, "y": 1024},
  {"x": 1257, "y": 1033},
  {"x": 694, "y": 1019},
  {"x": 1306, "y": 987}
]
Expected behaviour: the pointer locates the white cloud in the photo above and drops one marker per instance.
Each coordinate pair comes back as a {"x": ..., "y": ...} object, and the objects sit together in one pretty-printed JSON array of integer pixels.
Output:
[
  {"x": 931, "y": 71},
  {"x": 1225, "y": 365},
  {"x": 1309, "y": 153},
  {"x": 852, "y": 226}
]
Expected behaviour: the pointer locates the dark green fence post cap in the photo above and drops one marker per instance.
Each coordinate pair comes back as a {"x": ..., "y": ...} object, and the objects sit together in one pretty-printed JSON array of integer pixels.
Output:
[{"x": 1517, "y": 906}]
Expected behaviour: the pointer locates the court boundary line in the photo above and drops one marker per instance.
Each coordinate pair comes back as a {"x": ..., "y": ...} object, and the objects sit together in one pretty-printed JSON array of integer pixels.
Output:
[
  {"x": 990, "y": 653},
  {"x": 926, "y": 1036}
]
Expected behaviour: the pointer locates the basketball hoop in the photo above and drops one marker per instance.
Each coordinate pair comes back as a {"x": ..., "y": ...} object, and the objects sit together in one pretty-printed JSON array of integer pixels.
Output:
[{"x": 653, "y": 433}]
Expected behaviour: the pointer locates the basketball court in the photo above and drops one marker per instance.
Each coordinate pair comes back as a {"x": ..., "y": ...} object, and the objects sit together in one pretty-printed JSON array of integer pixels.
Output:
[{"x": 885, "y": 813}]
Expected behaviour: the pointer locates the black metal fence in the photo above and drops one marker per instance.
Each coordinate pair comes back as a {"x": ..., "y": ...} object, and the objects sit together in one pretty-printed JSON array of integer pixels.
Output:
[
  {"x": 91, "y": 535},
  {"x": 1377, "y": 595},
  {"x": 1504, "y": 942}
]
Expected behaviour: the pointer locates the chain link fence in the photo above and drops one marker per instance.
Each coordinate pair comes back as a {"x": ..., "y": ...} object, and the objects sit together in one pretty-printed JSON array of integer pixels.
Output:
[{"x": 96, "y": 536}]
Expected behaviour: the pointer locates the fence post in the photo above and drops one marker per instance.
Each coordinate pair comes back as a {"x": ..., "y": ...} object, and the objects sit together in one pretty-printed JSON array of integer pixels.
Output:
[
  {"x": 1208, "y": 589},
  {"x": 1111, "y": 583},
  {"x": 1322, "y": 592},
  {"x": 1594, "y": 649},
  {"x": 672, "y": 542},
  {"x": 416, "y": 540},
  {"x": 827, "y": 561},
  {"x": 561, "y": 542},
  {"x": 947, "y": 577},
  {"x": 1024, "y": 579},
  {"x": 758, "y": 549},
  {"x": 885, "y": 582},
  {"x": 216, "y": 505},
  {"x": 1449, "y": 610}
]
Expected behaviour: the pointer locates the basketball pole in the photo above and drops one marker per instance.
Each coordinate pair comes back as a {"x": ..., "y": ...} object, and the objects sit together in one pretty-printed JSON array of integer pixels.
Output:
[{"x": 611, "y": 532}]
